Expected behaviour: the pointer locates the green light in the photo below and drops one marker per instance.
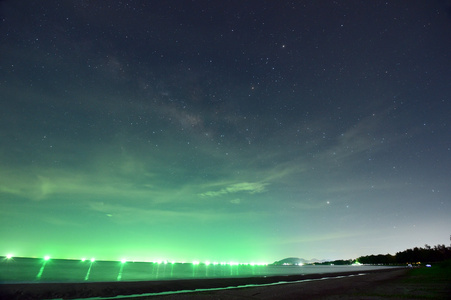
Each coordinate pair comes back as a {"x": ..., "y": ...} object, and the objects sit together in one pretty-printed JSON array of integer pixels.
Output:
[
  {"x": 207, "y": 263},
  {"x": 93, "y": 259},
  {"x": 9, "y": 256},
  {"x": 46, "y": 259},
  {"x": 89, "y": 269},
  {"x": 195, "y": 262},
  {"x": 83, "y": 259},
  {"x": 119, "y": 275}
]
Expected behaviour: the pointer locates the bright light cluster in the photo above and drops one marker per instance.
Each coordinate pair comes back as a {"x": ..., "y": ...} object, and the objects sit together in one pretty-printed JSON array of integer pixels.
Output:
[
  {"x": 207, "y": 263},
  {"x": 195, "y": 262},
  {"x": 91, "y": 260}
]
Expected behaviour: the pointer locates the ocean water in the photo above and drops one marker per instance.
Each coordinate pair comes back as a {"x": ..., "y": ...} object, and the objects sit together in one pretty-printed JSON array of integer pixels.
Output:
[{"x": 16, "y": 270}]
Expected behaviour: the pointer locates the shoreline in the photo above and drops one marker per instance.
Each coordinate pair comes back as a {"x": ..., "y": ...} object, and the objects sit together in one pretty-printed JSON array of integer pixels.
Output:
[{"x": 186, "y": 287}]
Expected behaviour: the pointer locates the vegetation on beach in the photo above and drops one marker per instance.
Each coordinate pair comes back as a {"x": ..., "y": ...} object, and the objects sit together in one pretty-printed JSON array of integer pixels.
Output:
[{"x": 416, "y": 255}]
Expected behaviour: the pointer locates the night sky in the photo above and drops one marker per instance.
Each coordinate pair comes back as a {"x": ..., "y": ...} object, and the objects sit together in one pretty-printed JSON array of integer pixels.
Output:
[{"x": 224, "y": 130}]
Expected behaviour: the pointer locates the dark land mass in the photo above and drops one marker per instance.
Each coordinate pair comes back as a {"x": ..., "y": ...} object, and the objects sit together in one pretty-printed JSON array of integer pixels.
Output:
[
  {"x": 290, "y": 261},
  {"x": 376, "y": 284}
]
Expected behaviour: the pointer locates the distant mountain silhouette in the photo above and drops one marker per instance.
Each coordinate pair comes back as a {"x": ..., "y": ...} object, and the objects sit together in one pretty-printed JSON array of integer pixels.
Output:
[
  {"x": 290, "y": 261},
  {"x": 296, "y": 261}
]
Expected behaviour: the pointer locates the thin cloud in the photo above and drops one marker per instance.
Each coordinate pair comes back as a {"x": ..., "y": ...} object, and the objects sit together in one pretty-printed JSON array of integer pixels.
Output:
[
  {"x": 131, "y": 214},
  {"x": 248, "y": 187},
  {"x": 309, "y": 238}
]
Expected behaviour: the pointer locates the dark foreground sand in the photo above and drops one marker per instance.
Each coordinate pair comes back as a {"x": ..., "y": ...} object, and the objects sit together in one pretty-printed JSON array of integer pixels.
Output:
[{"x": 381, "y": 282}]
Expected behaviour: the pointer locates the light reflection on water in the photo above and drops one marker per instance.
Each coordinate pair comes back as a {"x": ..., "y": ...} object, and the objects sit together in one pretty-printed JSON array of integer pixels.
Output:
[{"x": 58, "y": 270}]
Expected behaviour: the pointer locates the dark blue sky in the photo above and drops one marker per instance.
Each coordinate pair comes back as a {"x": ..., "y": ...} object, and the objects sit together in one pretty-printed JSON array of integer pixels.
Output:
[{"x": 240, "y": 130}]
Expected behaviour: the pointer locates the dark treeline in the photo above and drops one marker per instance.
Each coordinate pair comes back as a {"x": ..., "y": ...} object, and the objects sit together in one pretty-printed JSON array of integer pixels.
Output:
[
  {"x": 427, "y": 254},
  {"x": 336, "y": 262}
]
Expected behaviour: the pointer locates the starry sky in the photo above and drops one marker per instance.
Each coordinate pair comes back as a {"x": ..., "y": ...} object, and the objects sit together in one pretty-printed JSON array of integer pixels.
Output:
[{"x": 224, "y": 130}]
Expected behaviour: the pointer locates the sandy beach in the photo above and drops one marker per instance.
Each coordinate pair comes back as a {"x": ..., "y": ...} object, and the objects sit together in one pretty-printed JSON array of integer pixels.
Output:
[{"x": 349, "y": 285}]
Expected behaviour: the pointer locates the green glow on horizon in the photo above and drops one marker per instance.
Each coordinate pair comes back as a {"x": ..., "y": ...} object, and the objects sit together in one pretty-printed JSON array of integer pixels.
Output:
[{"x": 159, "y": 261}]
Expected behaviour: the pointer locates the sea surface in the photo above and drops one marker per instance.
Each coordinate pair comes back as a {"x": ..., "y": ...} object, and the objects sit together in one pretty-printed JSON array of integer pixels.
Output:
[{"x": 19, "y": 270}]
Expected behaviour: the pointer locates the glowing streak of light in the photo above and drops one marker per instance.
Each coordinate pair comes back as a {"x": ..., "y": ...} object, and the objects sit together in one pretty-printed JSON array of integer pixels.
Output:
[
  {"x": 89, "y": 270},
  {"x": 158, "y": 269},
  {"x": 46, "y": 259},
  {"x": 172, "y": 269},
  {"x": 119, "y": 275}
]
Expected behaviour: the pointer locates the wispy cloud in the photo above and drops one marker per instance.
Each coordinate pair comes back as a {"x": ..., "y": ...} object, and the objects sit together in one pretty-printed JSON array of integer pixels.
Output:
[
  {"x": 308, "y": 238},
  {"x": 132, "y": 214},
  {"x": 247, "y": 187},
  {"x": 45, "y": 184}
]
